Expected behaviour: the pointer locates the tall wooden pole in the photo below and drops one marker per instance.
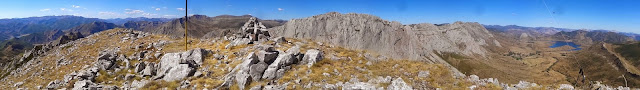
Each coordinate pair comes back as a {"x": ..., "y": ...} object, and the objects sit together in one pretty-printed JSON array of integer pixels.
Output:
[{"x": 186, "y": 18}]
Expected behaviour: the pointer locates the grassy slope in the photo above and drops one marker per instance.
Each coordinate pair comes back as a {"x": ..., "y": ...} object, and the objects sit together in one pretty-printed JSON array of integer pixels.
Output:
[
  {"x": 631, "y": 52},
  {"x": 598, "y": 65}
]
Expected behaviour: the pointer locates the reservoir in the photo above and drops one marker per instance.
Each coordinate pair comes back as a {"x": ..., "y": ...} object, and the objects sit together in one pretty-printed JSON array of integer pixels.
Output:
[{"x": 563, "y": 43}]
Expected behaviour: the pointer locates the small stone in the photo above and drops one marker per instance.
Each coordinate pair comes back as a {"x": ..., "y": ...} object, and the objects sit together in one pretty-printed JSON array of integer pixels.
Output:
[
  {"x": 80, "y": 85},
  {"x": 399, "y": 84},
  {"x": 566, "y": 87},
  {"x": 257, "y": 87},
  {"x": 279, "y": 40},
  {"x": 129, "y": 76},
  {"x": 326, "y": 74},
  {"x": 423, "y": 74},
  {"x": 18, "y": 84}
]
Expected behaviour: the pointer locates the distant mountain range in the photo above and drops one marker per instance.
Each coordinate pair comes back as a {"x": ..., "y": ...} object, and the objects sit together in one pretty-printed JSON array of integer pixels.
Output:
[
  {"x": 16, "y": 27},
  {"x": 586, "y": 37},
  {"x": 121, "y": 21},
  {"x": 617, "y": 37},
  {"x": 545, "y": 30},
  {"x": 634, "y": 35},
  {"x": 199, "y": 25}
]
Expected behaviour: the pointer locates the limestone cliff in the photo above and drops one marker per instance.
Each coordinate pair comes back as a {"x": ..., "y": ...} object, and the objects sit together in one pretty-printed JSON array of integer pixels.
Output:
[{"x": 367, "y": 32}]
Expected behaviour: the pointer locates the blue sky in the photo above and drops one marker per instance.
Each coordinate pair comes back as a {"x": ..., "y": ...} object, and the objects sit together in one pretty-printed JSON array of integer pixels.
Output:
[{"x": 618, "y": 15}]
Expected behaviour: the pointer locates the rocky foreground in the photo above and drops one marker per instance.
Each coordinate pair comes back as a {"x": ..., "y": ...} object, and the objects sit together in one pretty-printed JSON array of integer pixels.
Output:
[{"x": 253, "y": 59}]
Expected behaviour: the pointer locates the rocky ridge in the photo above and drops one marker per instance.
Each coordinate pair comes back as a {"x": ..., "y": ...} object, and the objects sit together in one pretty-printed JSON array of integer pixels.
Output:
[{"x": 414, "y": 42}]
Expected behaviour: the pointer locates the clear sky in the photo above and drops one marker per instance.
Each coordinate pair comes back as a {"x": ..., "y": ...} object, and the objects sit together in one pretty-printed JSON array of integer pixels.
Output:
[{"x": 618, "y": 15}]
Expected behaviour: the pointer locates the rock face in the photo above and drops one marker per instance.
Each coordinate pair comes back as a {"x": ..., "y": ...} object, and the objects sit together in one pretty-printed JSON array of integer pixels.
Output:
[{"x": 367, "y": 32}]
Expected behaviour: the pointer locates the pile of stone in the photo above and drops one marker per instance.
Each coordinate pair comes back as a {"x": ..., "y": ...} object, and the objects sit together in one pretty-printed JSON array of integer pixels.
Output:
[
  {"x": 252, "y": 32},
  {"x": 255, "y": 30}
]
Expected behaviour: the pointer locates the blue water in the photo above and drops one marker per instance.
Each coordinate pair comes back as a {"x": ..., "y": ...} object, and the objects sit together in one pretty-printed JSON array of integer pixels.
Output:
[{"x": 563, "y": 43}]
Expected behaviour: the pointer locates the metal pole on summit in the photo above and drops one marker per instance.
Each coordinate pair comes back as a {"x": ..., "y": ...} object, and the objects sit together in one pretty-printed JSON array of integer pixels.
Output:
[{"x": 186, "y": 20}]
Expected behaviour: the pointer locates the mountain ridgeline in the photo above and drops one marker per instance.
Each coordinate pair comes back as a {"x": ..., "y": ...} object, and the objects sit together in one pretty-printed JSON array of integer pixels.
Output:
[
  {"x": 11, "y": 28},
  {"x": 200, "y": 26},
  {"x": 589, "y": 37}
]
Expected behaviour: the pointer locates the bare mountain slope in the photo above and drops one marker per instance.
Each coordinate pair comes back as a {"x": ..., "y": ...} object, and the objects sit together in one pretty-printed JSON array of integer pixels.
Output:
[{"x": 367, "y": 32}]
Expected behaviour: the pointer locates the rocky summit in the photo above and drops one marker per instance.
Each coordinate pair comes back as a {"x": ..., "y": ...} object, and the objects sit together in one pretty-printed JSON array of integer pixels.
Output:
[
  {"x": 328, "y": 52},
  {"x": 392, "y": 39}
]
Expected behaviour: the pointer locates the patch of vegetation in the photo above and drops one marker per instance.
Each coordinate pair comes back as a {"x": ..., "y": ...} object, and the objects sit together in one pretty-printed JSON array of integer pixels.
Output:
[
  {"x": 449, "y": 55},
  {"x": 596, "y": 66},
  {"x": 631, "y": 52},
  {"x": 160, "y": 84},
  {"x": 520, "y": 56}
]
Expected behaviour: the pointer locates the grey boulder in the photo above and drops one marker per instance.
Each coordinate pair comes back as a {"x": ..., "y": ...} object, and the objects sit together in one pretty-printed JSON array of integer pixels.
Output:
[
  {"x": 311, "y": 57},
  {"x": 256, "y": 70},
  {"x": 178, "y": 72}
]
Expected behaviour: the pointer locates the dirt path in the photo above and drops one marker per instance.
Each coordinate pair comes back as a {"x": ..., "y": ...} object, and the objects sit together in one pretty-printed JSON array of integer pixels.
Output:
[{"x": 627, "y": 66}]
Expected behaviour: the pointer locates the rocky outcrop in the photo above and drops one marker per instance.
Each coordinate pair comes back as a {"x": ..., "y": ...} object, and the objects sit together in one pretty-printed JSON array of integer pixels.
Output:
[
  {"x": 258, "y": 67},
  {"x": 361, "y": 31},
  {"x": 367, "y": 32},
  {"x": 176, "y": 66},
  {"x": 107, "y": 60},
  {"x": 67, "y": 38}
]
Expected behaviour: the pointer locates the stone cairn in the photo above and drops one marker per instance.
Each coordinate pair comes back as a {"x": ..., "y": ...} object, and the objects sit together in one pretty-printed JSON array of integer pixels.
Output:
[{"x": 255, "y": 30}]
